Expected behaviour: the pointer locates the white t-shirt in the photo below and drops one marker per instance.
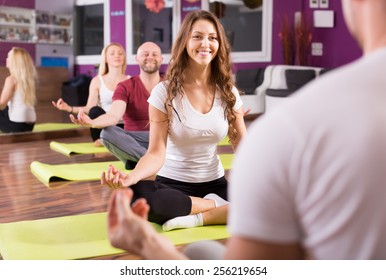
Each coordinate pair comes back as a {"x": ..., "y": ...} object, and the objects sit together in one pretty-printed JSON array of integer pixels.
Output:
[
  {"x": 191, "y": 152},
  {"x": 18, "y": 111},
  {"x": 313, "y": 171}
]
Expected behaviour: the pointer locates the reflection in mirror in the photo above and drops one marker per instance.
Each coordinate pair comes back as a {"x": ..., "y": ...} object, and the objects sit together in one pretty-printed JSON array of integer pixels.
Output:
[{"x": 48, "y": 88}]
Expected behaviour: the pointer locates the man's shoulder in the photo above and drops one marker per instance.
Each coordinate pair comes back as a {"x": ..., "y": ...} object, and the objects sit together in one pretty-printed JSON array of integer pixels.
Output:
[
  {"x": 128, "y": 83},
  {"x": 130, "y": 80}
]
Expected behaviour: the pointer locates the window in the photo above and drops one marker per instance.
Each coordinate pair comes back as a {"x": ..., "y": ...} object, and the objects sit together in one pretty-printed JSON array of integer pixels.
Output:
[
  {"x": 144, "y": 25},
  {"x": 91, "y": 32},
  {"x": 249, "y": 30},
  {"x": 89, "y": 29}
]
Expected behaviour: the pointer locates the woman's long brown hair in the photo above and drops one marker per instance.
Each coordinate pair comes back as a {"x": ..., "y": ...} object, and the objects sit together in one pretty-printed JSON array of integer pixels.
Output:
[{"x": 221, "y": 68}]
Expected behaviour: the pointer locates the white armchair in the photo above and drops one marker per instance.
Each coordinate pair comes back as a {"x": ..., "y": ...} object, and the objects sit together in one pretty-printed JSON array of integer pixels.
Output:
[
  {"x": 248, "y": 80},
  {"x": 280, "y": 81},
  {"x": 274, "y": 86}
]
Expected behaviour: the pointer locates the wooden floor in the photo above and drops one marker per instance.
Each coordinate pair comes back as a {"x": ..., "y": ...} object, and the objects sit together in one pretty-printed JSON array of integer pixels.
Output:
[{"x": 23, "y": 197}]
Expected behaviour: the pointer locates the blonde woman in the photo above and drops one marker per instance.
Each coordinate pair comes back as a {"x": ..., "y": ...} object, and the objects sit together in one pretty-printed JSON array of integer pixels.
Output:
[
  {"x": 111, "y": 72},
  {"x": 18, "y": 98}
]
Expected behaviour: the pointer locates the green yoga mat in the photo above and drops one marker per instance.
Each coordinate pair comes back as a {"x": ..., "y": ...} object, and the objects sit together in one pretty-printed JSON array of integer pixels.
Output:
[
  {"x": 79, "y": 237},
  {"x": 43, "y": 127},
  {"x": 70, "y": 149},
  {"x": 226, "y": 160},
  {"x": 47, "y": 173},
  {"x": 224, "y": 142},
  {"x": 40, "y": 127}
]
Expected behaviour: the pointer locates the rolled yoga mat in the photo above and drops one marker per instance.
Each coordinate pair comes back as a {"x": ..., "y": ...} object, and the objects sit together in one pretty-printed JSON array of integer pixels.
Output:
[{"x": 79, "y": 237}]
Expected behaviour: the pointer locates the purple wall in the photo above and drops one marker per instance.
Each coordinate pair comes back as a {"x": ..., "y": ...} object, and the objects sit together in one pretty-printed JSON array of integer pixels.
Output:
[
  {"x": 339, "y": 47},
  {"x": 29, "y": 4},
  {"x": 6, "y": 47},
  {"x": 118, "y": 31},
  {"x": 85, "y": 69},
  {"x": 117, "y": 21},
  {"x": 188, "y": 6}
]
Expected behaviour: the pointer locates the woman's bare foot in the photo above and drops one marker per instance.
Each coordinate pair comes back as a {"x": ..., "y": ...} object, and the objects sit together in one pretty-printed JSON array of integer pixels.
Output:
[{"x": 98, "y": 143}]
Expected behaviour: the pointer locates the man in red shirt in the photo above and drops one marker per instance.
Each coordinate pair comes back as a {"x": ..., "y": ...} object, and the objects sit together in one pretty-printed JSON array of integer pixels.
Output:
[{"x": 130, "y": 104}]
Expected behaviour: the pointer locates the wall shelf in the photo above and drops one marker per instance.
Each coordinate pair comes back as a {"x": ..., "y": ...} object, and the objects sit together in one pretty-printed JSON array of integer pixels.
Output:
[
  {"x": 15, "y": 24},
  {"x": 34, "y": 26}
]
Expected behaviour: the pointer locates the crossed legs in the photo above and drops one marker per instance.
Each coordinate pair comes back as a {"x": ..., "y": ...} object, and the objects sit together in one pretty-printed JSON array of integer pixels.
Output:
[
  {"x": 180, "y": 205},
  {"x": 127, "y": 146}
]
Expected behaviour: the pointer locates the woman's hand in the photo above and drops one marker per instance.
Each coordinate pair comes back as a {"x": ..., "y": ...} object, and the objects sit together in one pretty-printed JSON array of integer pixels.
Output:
[
  {"x": 82, "y": 119},
  {"x": 116, "y": 179},
  {"x": 62, "y": 105},
  {"x": 246, "y": 112}
]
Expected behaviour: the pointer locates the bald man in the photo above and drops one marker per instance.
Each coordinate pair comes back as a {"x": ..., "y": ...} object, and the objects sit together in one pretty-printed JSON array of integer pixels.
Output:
[{"x": 130, "y": 104}]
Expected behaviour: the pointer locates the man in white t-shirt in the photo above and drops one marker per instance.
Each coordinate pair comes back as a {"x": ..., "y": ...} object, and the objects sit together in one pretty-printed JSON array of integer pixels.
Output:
[{"x": 309, "y": 180}]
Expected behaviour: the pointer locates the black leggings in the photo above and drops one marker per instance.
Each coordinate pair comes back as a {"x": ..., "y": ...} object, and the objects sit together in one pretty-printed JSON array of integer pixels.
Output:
[
  {"x": 7, "y": 126},
  {"x": 95, "y": 112},
  {"x": 169, "y": 198}
]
